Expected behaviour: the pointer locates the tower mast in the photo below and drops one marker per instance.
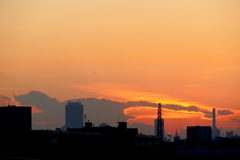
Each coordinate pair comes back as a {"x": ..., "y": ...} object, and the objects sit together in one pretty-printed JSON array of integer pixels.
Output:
[{"x": 159, "y": 123}]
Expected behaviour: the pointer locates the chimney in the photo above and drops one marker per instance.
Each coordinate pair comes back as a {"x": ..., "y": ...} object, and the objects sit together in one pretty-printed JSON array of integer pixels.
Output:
[
  {"x": 214, "y": 123},
  {"x": 213, "y": 118}
]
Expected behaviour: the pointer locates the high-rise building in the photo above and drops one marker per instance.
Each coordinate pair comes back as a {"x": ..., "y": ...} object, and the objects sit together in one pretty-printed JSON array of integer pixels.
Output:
[
  {"x": 229, "y": 134},
  {"x": 198, "y": 136},
  {"x": 16, "y": 118},
  {"x": 215, "y": 130},
  {"x": 74, "y": 115}
]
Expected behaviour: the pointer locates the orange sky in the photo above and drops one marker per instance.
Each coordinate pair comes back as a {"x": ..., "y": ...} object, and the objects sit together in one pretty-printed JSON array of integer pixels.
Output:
[{"x": 160, "y": 51}]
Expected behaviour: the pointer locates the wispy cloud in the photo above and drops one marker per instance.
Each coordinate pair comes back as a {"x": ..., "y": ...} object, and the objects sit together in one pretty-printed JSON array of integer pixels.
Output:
[
  {"x": 145, "y": 99},
  {"x": 236, "y": 120},
  {"x": 207, "y": 113},
  {"x": 224, "y": 112},
  {"x": 4, "y": 101},
  {"x": 125, "y": 92}
]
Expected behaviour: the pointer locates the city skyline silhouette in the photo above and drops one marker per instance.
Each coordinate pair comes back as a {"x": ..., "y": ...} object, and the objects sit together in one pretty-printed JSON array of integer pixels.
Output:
[
  {"x": 48, "y": 144},
  {"x": 104, "y": 111},
  {"x": 120, "y": 59}
]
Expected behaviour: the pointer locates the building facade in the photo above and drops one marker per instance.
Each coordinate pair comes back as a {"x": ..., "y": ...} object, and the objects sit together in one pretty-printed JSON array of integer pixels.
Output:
[
  {"x": 16, "y": 118},
  {"x": 74, "y": 115},
  {"x": 199, "y": 136},
  {"x": 215, "y": 130}
]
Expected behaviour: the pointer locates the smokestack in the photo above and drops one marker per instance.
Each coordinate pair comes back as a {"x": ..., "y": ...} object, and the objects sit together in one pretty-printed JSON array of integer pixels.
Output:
[
  {"x": 214, "y": 123},
  {"x": 213, "y": 118}
]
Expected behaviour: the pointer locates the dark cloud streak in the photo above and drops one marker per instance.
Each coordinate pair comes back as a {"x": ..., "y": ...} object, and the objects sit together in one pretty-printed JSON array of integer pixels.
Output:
[
  {"x": 237, "y": 120},
  {"x": 4, "y": 101},
  {"x": 224, "y": 112},
  {"x": 104, "y": 110}
]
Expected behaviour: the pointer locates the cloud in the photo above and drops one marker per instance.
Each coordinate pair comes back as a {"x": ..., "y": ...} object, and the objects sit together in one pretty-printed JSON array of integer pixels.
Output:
[
  {"x": 102, "y": 110},
  {"x": 97, "y": 110},
  {"x": 4, "y": 101},
  {"x": 224, "y": 112},
  {"x": 4, "y": 97},
  {"x": 207, "y": 113},
  {"x": 237, "y": 120},
  {"x": 179, "y": 107}
]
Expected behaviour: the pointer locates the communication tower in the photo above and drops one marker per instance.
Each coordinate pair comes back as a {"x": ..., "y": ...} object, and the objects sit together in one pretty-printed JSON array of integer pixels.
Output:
[{"x": 160, "y": 123}]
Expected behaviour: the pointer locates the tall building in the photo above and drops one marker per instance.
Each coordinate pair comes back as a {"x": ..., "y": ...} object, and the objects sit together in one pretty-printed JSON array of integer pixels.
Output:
[
  {"x": 215, "y": 130},
  {"x": 15, "y": 118},
  {"x": 229, "y": 134},
  {"x": 74, "y": 115},
  {"x": 198, "y": 136}
]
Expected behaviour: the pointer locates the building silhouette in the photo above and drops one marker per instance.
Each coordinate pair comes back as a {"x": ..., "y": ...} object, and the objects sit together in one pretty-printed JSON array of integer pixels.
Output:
[
  {"x": 102, "y": 141},
  {"x": 198, "y": 136},
  {"x": 15, "y": 118},
  {"x": 74, "y": 115},
  {"x": 229, "y": 134},
  {"x": 121, "y": 129},
  {"x": 215, "y": 130}
]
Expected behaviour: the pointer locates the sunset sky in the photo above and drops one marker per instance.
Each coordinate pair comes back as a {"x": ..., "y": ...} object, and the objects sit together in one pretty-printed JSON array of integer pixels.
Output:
[{"x": 182, "y": 52}]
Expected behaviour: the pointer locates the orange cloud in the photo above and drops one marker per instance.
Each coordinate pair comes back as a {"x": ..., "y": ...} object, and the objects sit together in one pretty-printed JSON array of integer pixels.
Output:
[
  {"x": 140, "y": 112},
  {"x": 176, "y": 119},
  {"x": 36, "y": 110},
  {"x": 124, "y": 92},
  {"x": 182, "y": 113},
  {"x": 4, "y": 101}
]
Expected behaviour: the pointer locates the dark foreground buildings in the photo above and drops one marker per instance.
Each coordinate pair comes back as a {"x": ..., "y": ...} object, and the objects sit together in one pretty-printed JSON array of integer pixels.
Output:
[
  {"x": 103, "y": 142},
  {"x": 14, "y": 118},
  {"x": 199, "y": 136},
  {"x": 18, "y": 140}
]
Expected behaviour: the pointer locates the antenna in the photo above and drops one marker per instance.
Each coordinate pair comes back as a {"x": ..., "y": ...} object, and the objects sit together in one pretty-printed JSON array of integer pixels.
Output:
[{"x": 159, "y": 123}]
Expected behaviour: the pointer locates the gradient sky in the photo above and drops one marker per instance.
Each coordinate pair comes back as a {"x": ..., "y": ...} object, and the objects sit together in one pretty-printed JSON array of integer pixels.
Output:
[{"x": 184, "y": 52}]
